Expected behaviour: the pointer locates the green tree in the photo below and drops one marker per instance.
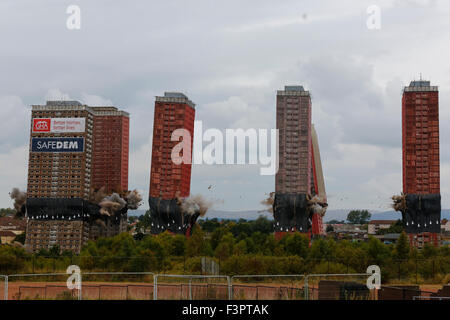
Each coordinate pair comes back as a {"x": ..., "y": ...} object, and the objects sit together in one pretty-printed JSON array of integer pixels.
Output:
[
  {"x": 7, "y": 212},
  {"x": 296, "y": 244},
  {"x": 401, "y": 251},
  {"x": 377, "y": 252},
  {"x": 358, "y": 216},
  {"x": 240, "y": 248},
  {"x": 196, "y": 244},
  {"x": 225, "y": 248}
]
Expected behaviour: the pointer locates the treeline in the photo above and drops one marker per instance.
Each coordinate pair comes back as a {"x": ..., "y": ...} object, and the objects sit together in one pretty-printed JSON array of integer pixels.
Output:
[{"x": 240, "y": 247}]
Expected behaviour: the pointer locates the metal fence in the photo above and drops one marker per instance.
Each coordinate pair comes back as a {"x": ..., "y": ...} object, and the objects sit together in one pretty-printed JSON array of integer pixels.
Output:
[
  {"x": 149, "y": 286},
  {"x": 293, "y": 291},
  {"x": 201, "y": 291}
]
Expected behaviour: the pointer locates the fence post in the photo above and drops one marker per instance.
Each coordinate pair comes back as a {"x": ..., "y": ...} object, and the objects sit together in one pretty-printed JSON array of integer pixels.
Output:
[
  {"x": 80, "y": 297},
  {"x": 190, "y": 288},
  {"x": 6, "y": 287},
  {"x": 306, "y": 288},
  {"x": 230, "y": 288},
  {"x": 155, "y": 287}
]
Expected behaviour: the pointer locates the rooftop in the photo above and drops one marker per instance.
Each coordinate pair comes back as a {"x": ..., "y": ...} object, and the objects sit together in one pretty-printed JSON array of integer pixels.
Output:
[
  {"x": 65, "y": 105},
  {"x": 420, "y": 86},
  {"x": 7, "y": 222},
  {"x": 382, "y": 221},
  {"x": 295, "y": 90},
  {"x": 175, "y": 97}
]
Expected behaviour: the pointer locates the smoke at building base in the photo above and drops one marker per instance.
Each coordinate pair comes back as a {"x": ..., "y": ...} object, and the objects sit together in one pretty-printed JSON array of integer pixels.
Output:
[{"x": 268, "y": 202}]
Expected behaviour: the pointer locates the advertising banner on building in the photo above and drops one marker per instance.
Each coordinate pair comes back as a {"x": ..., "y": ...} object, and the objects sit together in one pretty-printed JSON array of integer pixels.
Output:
[
  {"x": 57, "y": 144},
  {"x": 59, "y": 125}
]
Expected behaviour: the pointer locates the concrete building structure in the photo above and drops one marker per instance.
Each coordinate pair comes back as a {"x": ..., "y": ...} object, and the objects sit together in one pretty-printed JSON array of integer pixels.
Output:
[
  {"x": 421, "y": 166},
  {"x": 75, "y": 150},
  {"x": 299, "y": 183},
  {"x": 170, "y": 182},
  {"x": 294, "y": 127},
  {"x": 375, "y": 225}
]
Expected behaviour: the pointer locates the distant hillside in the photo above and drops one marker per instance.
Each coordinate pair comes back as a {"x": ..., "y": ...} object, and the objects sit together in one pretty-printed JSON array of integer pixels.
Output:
[
  {"x": 339, "y": 214},
  {"x": 386, "y": 215}
]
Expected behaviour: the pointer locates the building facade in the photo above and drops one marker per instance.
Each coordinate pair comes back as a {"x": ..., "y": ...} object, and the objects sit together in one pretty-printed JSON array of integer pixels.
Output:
[
  {"x": 375, "y": 225},
  {"x": 420, "y": 126},
  {"x": 299, "y": 183},
  {"x": 421, "y": 166},
  {"x": 169, "y": 180},
  {"x": 294, "y": 128},
  {"x": 75, "y": 149}
]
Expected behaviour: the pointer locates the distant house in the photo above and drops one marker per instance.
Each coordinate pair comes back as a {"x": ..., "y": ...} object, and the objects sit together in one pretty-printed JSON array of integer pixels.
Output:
[
  {"x": 15, "y": 225},
  {"x": 445, "y": 225},
  {"x": 375, "y": 225},
  {"x": 388, "y": 237},
  {"x": 7, "y": 237}
]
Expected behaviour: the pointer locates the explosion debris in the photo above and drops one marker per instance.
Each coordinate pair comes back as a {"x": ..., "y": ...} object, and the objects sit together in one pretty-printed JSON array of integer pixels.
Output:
[
  {"x": 177, "y": 215},
  {"x": 196, "y": 204},
  {"x": 111, "y": 204},
  {"x": 134, "y": 200},
  {"x": 316, "y": 205},
  {"x": 98, "y": 196},
  {"x": 399, "y": 202},
  {"x": 269, "y": 202}
]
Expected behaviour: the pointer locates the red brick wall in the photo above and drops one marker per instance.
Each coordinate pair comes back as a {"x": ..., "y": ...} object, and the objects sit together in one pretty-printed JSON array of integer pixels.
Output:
[
  {"x": 420, "y": 125},
  {"x": 166, "y": 178},
  {"x": 110, "y": 153}
]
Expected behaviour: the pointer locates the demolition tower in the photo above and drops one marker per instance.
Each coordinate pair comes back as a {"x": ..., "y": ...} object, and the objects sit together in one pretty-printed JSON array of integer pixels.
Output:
[
  {"x": 421, "y": 179},
  {"x": 74, "y": 150},
  {"x": 170, "y": 182},
  {"x": 300, "y": 198}
]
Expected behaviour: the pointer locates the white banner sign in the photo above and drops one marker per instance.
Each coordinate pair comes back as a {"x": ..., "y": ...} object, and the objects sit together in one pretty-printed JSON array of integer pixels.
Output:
[{"x": 59, "y": 125}]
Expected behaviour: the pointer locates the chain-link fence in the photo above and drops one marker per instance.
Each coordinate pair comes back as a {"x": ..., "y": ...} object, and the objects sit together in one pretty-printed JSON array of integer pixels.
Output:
[
  {"x": 189, "y": 287},
  {"x": 267, "y": 287}
]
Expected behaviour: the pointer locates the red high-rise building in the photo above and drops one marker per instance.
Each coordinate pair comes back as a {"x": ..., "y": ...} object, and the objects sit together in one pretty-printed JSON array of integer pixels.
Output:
[
  {"x": 299, "y": 180},
  {"x": 420, "y": 125},
  {"x": 169, "y": 180},
  {"x": 111, "y": 149},
  {"x": 421, "y": 178}
]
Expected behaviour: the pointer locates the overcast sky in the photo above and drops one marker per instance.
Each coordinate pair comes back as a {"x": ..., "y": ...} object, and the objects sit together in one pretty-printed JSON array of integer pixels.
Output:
[{"x": 230, "y": 57}]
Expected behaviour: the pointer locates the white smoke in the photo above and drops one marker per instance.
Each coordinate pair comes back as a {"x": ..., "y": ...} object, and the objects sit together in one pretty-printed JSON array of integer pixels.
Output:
[
  {"x": 195, "y": 204},
  {"x": 134, "y": 199}
]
